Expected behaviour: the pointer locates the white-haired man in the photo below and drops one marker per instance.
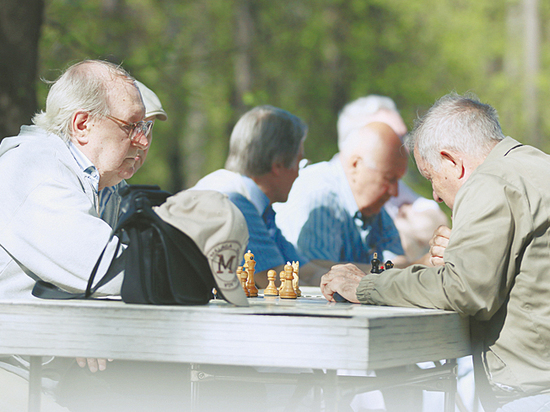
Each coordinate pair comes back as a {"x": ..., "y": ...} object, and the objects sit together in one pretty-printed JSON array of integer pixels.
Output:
[
  {"x": 493, "y": 266},
  {"x": 335, "y": 210},
  {"x": 415, "y": 217},
  {"x": 88, "y": 138},
  {"x": 109, "y": 200},
  {"x": 92, "y": 135}
]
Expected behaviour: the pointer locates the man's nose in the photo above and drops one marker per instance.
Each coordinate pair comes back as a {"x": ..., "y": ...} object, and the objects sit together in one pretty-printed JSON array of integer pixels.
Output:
[{"x": 141, "y": 141}]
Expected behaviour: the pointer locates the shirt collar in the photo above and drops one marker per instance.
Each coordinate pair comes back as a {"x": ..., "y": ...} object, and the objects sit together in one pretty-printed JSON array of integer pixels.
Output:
[
  {"x": 90, "y": 171},
  {"x": 257, "y": 197}
]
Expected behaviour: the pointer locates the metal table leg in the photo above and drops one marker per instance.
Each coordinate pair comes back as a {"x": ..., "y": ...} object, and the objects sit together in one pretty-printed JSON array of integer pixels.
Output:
[
  {"x": 35, "y": 383},
  {"x": 450, "y": 394},
  {"x": 194, "y": 371}
]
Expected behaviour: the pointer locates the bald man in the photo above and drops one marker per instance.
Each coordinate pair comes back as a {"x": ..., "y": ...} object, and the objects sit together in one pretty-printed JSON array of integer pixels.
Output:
[{"x": 335, "y": 212}]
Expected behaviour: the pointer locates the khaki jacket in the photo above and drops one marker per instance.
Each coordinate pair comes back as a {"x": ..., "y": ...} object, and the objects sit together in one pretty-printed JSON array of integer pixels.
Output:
[{"x": 497, "y": 269}]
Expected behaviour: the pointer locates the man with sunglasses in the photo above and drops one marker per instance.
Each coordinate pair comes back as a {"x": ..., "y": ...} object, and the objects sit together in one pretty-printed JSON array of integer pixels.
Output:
[{"x": 88, "y": 138}]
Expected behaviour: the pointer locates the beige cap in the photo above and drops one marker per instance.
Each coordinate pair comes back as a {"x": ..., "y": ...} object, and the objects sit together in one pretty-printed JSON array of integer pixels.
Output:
[
  {"x": 153, "y": 106},
  {"x": 218, "y": 228}
]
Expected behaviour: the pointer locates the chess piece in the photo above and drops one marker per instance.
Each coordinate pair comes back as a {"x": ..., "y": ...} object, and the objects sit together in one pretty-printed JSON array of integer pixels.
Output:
[
  {"x": 250, "y": 284},
  {"x": 296, "y": 278},
  {"x": 271, "y": 290},
  {"x": 388, "y": 265},
  {"x": 375, "y": 264},
  {"x": 288, "y": 290},
  {"x": 282, "y": 279},
  {"x": 247, "y": 256},
  {"x": 243, "y": 277}
]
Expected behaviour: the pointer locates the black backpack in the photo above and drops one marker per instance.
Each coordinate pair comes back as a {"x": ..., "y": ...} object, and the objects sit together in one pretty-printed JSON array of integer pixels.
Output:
[{"x": 162, "y": 265}]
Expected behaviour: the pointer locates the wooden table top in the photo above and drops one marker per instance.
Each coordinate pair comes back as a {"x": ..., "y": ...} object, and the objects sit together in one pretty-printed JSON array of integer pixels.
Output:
[{"x": 305, "y": 333}]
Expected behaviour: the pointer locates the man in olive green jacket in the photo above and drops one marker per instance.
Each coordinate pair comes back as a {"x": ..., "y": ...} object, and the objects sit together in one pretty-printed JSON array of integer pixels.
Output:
[{"x": 495, "y": 264}]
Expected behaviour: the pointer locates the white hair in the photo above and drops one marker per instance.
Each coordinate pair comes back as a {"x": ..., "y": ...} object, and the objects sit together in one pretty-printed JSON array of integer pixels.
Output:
[
  {"x": 83, "y": 86},
  {"x": 352, "y": 116},
  {"x": 455, "y": 122}
]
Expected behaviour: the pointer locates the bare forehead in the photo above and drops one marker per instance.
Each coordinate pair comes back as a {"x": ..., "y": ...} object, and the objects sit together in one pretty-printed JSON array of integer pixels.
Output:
[{"x": 125, "y": 99}]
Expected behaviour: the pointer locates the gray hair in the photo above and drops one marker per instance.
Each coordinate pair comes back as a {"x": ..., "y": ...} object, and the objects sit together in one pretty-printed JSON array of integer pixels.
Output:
[
  {"x": 263, "y": 136},
  {"x": 455, "y": 122},
  {"x": 83, "y": 86},
  {"x": 359, "y": 109}
]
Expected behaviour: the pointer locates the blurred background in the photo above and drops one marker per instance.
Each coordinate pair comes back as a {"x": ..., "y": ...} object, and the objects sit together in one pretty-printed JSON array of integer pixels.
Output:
[{"x": 210, "y": 61}]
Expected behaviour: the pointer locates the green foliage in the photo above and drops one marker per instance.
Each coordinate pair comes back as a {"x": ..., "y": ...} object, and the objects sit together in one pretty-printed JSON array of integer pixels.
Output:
[{"x": 210, "y": 61}]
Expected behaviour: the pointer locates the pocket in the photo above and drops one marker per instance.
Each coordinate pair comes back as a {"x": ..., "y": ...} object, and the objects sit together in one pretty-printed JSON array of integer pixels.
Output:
[{"x": 500, "y": 373}]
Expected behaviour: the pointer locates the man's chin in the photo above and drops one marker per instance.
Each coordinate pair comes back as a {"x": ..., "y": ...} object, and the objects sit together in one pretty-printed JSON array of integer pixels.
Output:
[
  {"x": 372, "y": 210},
  {"x": 127, "y": 173}
]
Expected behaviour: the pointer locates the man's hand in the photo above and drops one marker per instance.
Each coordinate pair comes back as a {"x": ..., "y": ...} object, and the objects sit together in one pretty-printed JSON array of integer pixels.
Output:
[
  {"x": 344, "y": 280},
  {"x": 93, "y": 364},
  {"x": 438, "y": 244}
]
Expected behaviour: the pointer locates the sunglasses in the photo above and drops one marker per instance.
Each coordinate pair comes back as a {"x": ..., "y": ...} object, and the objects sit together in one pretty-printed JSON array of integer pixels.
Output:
[{"x": 134, "y": 129}]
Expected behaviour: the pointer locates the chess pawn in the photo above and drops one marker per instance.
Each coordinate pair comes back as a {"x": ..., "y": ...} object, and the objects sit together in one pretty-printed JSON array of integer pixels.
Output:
[
  {"x": 282, "y": 279},
  {"x": 388, "y": 265},
  {"x": 250, "y": 284},
  {"x": 288, "y": 290},
  {"x": 243, "y": 276},
  {"x": 271, "y": 290}
]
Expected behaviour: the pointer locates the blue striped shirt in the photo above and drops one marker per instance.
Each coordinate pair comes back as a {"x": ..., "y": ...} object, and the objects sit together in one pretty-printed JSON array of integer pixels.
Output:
[
  {"x": 322, "y": 220},
  {"x": 266, "y": 242}
]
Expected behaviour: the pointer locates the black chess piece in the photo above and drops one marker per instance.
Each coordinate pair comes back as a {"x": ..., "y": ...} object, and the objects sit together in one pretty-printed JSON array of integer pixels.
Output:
[{"x": 375, "y": 264}]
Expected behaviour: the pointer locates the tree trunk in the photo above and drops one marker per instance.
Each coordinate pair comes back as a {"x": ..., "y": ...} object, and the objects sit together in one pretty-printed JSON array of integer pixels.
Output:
[{"x": 20, "y": 22}]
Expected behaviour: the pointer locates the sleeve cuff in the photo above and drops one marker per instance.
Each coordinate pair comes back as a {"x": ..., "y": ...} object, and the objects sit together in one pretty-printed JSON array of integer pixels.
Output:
[{"x": 366, "y": 288}]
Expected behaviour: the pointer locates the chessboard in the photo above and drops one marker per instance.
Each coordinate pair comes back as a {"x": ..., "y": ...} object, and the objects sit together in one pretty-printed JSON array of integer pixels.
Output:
[{"x": 289, "y": 280}]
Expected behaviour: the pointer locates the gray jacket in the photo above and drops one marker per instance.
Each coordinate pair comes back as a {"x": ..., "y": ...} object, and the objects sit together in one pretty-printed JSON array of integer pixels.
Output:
[{"x": 497, "y": 269}]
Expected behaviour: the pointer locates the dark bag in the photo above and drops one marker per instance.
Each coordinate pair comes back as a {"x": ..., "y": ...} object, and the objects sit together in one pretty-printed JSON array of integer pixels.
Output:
[{"x": 162, "y": 265}]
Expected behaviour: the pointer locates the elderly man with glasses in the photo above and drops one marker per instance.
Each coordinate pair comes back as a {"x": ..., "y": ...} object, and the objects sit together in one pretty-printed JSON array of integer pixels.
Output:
[
  {"x": 88, "y": 138},
  {"x": 109, "y": 198}
]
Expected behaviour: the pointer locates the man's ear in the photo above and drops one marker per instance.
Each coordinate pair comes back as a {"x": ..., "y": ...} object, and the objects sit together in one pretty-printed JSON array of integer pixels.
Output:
[
  {"x": 454, "y": 162},
  {"x": 80, "y": 126},
  {"x": 354, "y": 162}
]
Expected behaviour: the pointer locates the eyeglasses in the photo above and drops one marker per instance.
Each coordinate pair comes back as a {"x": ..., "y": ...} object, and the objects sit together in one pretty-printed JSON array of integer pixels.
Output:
[{"x": 134, "y": 129}]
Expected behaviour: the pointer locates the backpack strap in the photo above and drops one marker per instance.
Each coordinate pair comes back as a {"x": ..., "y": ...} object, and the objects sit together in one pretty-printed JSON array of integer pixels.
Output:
[
  {"x": 135, "y": 198},
  {"x": 47, "y": 290}
]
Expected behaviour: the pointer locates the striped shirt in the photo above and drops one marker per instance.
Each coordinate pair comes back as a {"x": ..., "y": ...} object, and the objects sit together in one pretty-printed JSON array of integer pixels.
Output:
[
  {"x": 91, "y": 174},
  {"x": 266, "y": 242},
  {"x": 321, "y": 219}
]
